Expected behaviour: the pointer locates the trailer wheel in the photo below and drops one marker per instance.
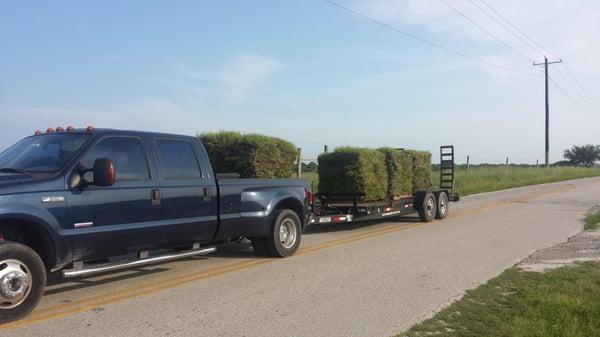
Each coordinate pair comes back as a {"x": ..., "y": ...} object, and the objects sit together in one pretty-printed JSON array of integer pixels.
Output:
[
  {"x": 22, "y": 280},
  {"x": 426, "y": 206},
  {"x": 286, "y": 233},
  {"x": 442, "y": 205},
  {"x": 258, "y": 244}
]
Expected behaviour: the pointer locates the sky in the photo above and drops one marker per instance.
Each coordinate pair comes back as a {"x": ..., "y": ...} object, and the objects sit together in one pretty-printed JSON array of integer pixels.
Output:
[{"x": 306, "y": 71}]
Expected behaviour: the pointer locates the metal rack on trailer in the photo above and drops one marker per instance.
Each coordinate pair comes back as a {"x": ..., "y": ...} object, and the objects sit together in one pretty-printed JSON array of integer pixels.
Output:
[{"x": 430, "y": 204}]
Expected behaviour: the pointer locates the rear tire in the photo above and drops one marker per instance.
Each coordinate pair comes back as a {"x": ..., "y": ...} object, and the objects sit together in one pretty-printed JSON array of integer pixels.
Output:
[
  {"x": 286, "y": 234},
  {"x": 426, "y": 206},
  {"x": 442, "y": 205},
  {"x": 22, "y": 281}
]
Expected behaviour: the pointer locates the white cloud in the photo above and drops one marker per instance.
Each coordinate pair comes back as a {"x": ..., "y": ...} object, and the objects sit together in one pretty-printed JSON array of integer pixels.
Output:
[
  {"x": 234, "y": 81},
  {"x": 246, "y": 74}
]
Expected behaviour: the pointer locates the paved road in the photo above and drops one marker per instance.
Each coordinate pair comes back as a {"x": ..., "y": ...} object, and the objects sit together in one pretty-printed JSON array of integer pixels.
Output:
[{"x": 368, "y": 280}]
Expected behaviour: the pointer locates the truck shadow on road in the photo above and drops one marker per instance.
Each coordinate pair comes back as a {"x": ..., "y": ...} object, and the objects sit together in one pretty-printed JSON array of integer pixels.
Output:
[{"x": 349, "y": 226}]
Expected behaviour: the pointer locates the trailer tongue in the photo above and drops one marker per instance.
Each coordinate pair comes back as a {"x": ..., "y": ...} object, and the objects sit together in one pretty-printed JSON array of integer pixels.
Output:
[{"x": 432, "y": 203}]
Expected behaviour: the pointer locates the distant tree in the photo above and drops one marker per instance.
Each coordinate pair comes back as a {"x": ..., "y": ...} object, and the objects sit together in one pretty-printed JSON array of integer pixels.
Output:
[{"x": 585, "y": 155}]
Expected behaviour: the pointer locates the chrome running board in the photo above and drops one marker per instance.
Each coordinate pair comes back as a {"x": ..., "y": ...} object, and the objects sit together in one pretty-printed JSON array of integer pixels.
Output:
[{"x": 79, "y": 272}]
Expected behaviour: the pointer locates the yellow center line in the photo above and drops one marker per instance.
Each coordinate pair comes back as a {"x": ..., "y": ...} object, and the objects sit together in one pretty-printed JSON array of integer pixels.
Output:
[{"x": 88, "y": 303}]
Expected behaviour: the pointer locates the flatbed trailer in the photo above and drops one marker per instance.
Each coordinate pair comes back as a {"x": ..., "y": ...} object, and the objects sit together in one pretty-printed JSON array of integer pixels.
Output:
[{"x": 430, "y": 204}]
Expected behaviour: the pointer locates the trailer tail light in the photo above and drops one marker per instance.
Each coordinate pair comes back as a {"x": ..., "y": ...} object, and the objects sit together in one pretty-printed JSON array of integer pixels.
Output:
[
  {"x": 1, "y": 237},
  {"x": 308, "y": 196}
]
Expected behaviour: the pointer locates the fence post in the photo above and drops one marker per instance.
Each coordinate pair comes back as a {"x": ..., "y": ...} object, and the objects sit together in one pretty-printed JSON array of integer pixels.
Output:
[
  {"x": 299, "y": 171},
  {"x": 506, "y": 161},
  {"x": 537, "y": 162},
  {"x": 468, "y": 165}
]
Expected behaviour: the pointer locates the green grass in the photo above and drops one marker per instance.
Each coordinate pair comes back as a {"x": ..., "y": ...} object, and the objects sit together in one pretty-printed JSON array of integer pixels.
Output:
[
  {"x": 486, "y": 179},
  {"x": 561, "y": 302},
  {"x": 592, "y": 220}
]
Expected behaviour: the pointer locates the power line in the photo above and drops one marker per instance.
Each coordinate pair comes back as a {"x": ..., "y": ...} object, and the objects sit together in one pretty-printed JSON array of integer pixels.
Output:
[
  {"x": 581, "y": 86},
  {"x": 576, "y": 90},
  {"x": 586, "y": 96},
  {"x": 570, "y": 99},
  {"x": 518, "y": 29},
  {"x": 527, "y": 43},
  {"x": 433, "y": 44},
  {"x": 490, "y": 34}
]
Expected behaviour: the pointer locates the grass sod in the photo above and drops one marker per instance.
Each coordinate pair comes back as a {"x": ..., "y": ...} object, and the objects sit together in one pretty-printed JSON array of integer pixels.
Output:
[
  {"x": 250, "y": 155},
  {"x": 399, "y": 166},
  {"x": 353, "y": 170},
  {"x": 560, "y": 302},
  {"x": 422, "y": 179},
  {"x": 592, "y": 220}
]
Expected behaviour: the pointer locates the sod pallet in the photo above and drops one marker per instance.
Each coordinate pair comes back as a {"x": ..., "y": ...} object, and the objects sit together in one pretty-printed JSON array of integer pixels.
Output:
[
  {"x": 399, "y": 166},
  {"x": 250, "y": 155},
  {"x": 354, "y": 170},
  {"x": 421, "y": 170}
]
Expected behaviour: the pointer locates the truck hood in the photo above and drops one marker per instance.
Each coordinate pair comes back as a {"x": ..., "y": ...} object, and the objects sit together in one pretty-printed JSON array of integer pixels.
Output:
[{"x": 17, "y": 183}]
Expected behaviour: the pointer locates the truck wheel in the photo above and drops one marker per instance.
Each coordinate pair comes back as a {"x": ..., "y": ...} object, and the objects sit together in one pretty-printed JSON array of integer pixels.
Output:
[
  {"x": 442, "y": 205},
  {"x": 258, "y": 244},
  {"x": 22, "y": 280},
  {"x": 286, "y": 233},
  {"x": 426, "y": 206}
]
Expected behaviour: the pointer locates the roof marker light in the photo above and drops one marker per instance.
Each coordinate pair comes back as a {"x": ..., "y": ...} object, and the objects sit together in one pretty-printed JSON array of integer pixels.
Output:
[
  {"x": 37, "y": 132},
  {"x": 70, "y": 128},
  {"x": 89, "y": 128},
  {"x": 59, "y": 129},
  {"x": 48, "y": 130}
]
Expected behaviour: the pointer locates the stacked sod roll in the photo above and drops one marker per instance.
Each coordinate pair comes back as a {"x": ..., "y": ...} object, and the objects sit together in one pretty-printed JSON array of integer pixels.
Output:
[
  {"x": 421, "y": 170},
  {"x": 380, "y": 174},
  {"x": 250, "y": 155},
  {"x": 399, "y": 165},
  {"x": 354, "y": 170}
]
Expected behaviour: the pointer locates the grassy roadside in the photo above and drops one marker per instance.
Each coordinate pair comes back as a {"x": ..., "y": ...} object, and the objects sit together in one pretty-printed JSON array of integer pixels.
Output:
[
  {"x": 560, "y": 302},
  {"x": 592, "y": 220},
  {"x": 487, "y": 179}
]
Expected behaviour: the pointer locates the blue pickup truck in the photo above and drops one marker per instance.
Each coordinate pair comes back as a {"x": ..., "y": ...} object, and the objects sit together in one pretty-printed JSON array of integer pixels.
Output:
[{"x": 83, "y": 201}]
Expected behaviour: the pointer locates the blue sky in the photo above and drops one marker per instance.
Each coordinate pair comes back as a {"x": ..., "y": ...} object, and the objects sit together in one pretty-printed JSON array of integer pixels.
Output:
[{"x": 305, "y": 71}]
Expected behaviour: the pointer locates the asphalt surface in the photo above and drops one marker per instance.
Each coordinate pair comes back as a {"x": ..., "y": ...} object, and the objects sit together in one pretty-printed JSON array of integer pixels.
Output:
[{"x": 353, "y": 280}]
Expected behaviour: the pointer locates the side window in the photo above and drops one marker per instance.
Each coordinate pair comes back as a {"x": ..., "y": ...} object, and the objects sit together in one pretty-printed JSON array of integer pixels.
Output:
[
  {"x": 126, "y": 154},
  {"x": 178, "y": 159}
]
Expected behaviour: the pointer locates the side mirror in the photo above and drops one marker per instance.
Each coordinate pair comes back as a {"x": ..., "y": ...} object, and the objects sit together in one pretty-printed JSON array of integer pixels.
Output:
[{"x": 104, "y": 172}]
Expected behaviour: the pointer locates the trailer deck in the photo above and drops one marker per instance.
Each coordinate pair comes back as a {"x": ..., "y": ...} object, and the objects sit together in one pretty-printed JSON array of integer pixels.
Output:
[{"x": 348, "y": 207}]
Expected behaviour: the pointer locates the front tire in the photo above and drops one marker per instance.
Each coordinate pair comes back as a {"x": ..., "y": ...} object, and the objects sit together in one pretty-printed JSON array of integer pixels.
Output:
[
  {"x": 286, "y": 234},
  {"x": 426, "y": 206},
  {"x": 22, "y": 281}
]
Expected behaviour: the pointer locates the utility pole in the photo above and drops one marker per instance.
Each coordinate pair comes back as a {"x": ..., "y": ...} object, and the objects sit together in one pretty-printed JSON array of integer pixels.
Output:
[{"x": 545, "y": 64}]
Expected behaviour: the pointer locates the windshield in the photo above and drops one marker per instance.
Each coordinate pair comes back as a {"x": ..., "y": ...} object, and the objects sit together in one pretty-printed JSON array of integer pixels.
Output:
[{"x": 44, "y": 153}]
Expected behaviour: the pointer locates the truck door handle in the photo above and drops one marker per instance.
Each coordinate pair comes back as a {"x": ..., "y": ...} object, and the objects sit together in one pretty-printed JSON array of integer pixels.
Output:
[
  {"x": 206, "y": 193},
  {"x": 155, "y": 196}
]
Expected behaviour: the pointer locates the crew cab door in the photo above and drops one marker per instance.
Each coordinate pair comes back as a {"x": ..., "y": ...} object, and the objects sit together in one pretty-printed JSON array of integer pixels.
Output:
[
  {"x": 121, "y": 218},
  {"x": 189, "y": 196}
]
